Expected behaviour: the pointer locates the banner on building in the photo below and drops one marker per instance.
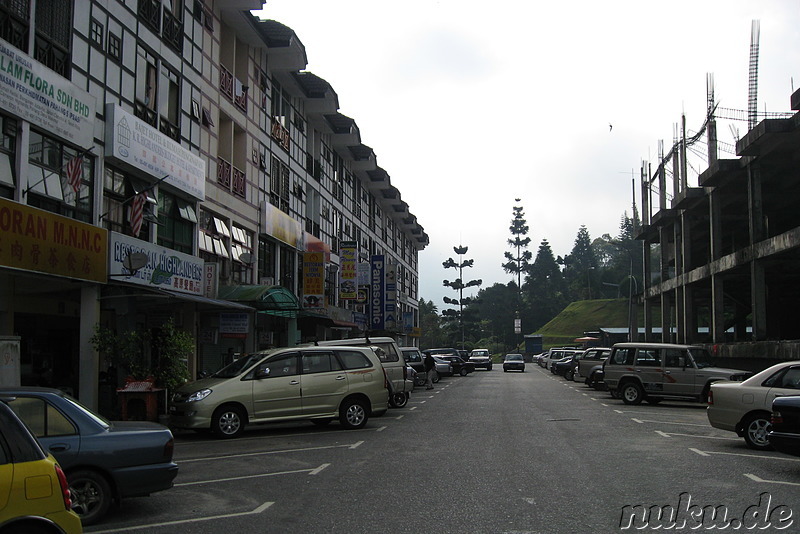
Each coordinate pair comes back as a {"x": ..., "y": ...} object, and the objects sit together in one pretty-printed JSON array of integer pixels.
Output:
[
  {"x": 390, "y": 297},
  {"x": 313, "y": 280},
  {"x": 348, "y": 274},
  {"x": 377, "y": 301}
]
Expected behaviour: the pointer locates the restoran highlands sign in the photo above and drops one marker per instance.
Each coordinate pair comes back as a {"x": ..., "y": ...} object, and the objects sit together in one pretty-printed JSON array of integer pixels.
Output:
[{"x": 37, "y": 94}]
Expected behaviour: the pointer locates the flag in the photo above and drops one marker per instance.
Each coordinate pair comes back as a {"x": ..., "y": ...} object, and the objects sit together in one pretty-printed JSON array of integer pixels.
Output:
[
  {"x": 137, "y": 213},
  {"x": 74, "y": 172}
]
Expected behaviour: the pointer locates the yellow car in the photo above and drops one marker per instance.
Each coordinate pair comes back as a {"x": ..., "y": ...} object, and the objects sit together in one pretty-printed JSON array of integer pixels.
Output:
[{"x": 34, "y": 495}]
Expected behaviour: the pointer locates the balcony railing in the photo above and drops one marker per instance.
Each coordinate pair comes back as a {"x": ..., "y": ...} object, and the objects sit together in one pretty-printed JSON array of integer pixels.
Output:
[
  {"x": 281, "y": 134},
  {"x": 239, "y": 182},
  {"x": 240, "y": 98},
  {"x": 226, "y": 82},
  {"x": 173, "y": 32},
  {"x": 170, "y": 130},
  {"x": 224, "y": 173},
  {"x": 141, "y": 111},
  {"x": 149, "y": 11}
]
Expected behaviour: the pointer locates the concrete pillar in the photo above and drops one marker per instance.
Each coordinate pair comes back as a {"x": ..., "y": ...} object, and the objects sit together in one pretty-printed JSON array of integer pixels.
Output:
[
  {"x": 758, "y": 298},
  {"x": 717, "y": 310},
  {"x": 89, "y": 364}
]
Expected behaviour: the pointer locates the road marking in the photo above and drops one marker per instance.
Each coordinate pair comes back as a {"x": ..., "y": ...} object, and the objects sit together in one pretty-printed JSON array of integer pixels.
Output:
[
  {"x": 415, "y": 407},
  {"x": 669, "y": 434},
  {"x": 245, "y": 477},
  {"x": 284, "y": 451},
  {"x": 399, "y": 417},
  {"x": 381, "y": 429},
  {"x": 319, "y": 469},
  {"x": 754, "y": 478},
  {"x": 254, "y": 511},
  {"x": 356, "y": 444},
  {"x": 762, "y": 456},
  {"x": 642, "y": 421}
]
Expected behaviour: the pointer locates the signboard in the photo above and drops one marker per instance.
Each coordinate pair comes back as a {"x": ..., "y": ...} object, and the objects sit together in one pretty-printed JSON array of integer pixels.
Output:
[
  {"x": 377, "y": 302},
  {"x": 210, "y": 280},
  {"x": 348, "y": 274},
  {"x": 132, "y": 141},
  {"x": 165, "y": 268},
  {"x": 390, "y": 298},
  {"x": 36, "y": 240},
  {"x": 313, "y": 280},
  {"x": 234, "y": 324},
  {"x": 37, "y": 94},
  {"x": 282, "y": 227}
]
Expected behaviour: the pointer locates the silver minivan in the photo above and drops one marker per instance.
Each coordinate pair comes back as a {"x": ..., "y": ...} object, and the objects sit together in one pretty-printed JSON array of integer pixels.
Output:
[{"x": 319, "y": 384}]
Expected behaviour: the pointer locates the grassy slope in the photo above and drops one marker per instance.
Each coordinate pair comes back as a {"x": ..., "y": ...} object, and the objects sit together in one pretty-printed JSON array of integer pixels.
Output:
[{"x": 584, "y": 316}]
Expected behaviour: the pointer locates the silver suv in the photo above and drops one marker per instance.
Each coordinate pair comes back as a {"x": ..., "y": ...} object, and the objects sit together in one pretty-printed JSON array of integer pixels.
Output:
[
  {"x": 315, "y": 383},
  {"x": 655, "y": 371}
]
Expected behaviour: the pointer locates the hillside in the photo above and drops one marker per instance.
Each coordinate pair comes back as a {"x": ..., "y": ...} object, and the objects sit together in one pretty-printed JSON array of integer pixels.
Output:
[{"x": 584, "y": 316}]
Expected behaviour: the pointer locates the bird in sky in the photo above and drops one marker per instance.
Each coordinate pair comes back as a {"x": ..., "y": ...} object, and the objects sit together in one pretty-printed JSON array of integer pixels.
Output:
[{"x": 609, "y": 127}]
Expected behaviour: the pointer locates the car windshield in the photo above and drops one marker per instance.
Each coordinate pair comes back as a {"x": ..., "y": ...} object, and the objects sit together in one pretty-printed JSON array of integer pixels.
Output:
[
  {"x": 514, "y": 357},
  {"x": 702, "y": 358},
  {"x": 237, "y": 367}
]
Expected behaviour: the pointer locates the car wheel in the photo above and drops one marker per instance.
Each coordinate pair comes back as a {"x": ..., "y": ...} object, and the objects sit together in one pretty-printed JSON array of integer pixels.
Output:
[
  {"x": 463, "y": 372},
  {"x": 632, "y": 393},
  {"x": 399, "y": 400},
  {"x": 569, "y": 375},
  {"x": 489, "y": 368},
  {"x": 353, "y": 414},
  {"x": 228, "y": 422},
  {"x": 91, "y": 495},
  {"x": 756, "y": 428}
]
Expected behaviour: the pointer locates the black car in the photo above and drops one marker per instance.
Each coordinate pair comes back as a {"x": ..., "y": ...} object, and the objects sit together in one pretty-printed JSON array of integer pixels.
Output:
[
  {"x": 562, "y": 366},
  {"x": 785, "y": 434},
  {"x": 460, "y": 367}
]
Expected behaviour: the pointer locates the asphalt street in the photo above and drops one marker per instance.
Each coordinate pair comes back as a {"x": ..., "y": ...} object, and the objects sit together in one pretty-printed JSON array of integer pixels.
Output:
[{"x": 491, "y": 452}]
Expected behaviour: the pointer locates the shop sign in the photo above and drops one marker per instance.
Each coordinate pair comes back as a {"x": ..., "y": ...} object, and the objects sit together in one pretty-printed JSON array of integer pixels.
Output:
[
  {"x": 132, "y": 141},
  {"x": 313, "y": 280},
  {"x": 282, "y": 227},
  {"x": 37, "y": 94},
  {"x": 390, "y": 298},
  {"x": 235, "y": 324},
  {"x": 36, "y": 240},
  {"x": 377, "y": 301},
  {"x": 165, "y": 268},
  {"x": 210, "y": 280},
  {"x": 348, "y": 274},
  {"x": 408, "y": 321}
]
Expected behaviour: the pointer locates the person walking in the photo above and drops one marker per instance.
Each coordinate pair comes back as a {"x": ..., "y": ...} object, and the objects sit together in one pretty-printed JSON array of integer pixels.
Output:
[{"x": 430, "y": 368}]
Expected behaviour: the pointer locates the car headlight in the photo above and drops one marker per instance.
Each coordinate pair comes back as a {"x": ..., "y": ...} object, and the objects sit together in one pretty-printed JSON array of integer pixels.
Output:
[{"x": 198, "y": 395}]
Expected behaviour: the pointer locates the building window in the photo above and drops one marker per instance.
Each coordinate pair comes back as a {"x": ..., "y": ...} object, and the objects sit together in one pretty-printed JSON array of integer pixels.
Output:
[
  {"x": 15, "y": 23},
  {"x": 146, "y": 87},
  {"x": 242, "y": 255},
  {"x": 176, "y": 229},
  {"x": 114, "y": 47},
  {"x": 170, "y": 104},
  {"x": 48, "y": 186},
  {"x": 266, "y": 261},
  {"x": 96, "y": 34},
  {"x": 119, "y": 189},
  {"x": 8, "y": 149},
  {"x": 54, "y": 35},
  {"x": 279, "y": 185}
]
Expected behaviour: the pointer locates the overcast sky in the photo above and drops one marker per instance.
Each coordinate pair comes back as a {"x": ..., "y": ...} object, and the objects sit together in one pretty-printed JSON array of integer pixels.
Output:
[{"x": 469, "y": 105}]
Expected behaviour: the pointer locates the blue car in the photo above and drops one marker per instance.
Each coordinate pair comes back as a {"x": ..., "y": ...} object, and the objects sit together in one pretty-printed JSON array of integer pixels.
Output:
[{"x": 103, "y": 461}]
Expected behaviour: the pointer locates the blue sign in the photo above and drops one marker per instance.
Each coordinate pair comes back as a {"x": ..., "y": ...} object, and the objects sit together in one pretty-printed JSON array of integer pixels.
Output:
[{"x": 377, "y": 284}]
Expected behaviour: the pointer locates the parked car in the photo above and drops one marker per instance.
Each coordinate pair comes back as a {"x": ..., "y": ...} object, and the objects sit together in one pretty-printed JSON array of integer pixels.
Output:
[
  {"x": 443, "y": 367},
  {"x": 656, "y": 371},
  {"x": 590, "y": 366},
  {"x": 392, "y": 361},
  {"x": 555, "y": 353},
  {"x": 514, "y": 362},
  {"x": 319, "y": 384},
  {"x": 785, "y": 433},
  {"x": 460, "y": 367},
  {"x": 414, "y": 359},
  {"x": 104, "y": 461},
  {"x": 481, "y": 358},
  {"x": 746, "y": 407},
  {"x": 35, "y": 494},
  {"x": 565, "y": 366}
]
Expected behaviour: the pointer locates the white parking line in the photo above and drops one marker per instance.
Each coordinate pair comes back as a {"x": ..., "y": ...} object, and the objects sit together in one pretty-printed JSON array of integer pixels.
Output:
[
  {"x": 642, "y": 421},
  {"x": 243, "y": 455},
  {"x": 669, "y": 434},
  {"x": 415, "y": 407},
  {"x": 256, "y": 510},
  {"x": 244, "y": 477},
  {"x": 754, "y": 478},
  {"x": 381, "y": 429},
  {"x": 318, "y": 469},
  {"x": 762, "y": 456}
]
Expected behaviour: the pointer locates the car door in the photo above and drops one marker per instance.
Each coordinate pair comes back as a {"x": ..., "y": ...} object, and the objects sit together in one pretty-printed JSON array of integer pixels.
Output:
[
  {"x": 782, "y": 384},
  {"x": 324, "y": 382},
  {"x": 56, "y": 433},
  {"x": 276, "y": 387},
  {"x": 680, "y": 373},
  {"x": 647, "y": 366}
]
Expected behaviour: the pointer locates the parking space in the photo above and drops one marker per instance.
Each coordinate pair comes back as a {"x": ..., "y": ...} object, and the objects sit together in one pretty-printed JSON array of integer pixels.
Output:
[{"x": 686, "y": 424}]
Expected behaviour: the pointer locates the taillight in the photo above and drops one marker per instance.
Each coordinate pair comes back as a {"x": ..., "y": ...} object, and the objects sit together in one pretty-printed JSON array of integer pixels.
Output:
[
  {"x": 777, "y": 418},
  {"x": 710, "y": 397},
  {"x": 62, "y": 480},
  {"x": 385, "y": 378},
  {"x": 169, "y": 449}
]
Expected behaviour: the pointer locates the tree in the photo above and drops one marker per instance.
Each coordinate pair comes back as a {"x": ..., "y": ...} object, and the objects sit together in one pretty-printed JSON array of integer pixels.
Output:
[
  {"x": 579, "y": 265},
  {"x": 458, "y": 285},
  {"x": 544, "y": 289},
  {"x": 429, "y": 323},
  {"x": 519, "y": 262}
]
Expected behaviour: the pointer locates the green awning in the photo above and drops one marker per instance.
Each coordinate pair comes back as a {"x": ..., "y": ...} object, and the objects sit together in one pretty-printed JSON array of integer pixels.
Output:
[{"x": 272, "y": 300}]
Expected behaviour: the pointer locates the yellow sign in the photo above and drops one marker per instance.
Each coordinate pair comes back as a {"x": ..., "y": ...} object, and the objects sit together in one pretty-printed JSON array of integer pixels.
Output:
[
  {"x": 313, "y": 280},
  {"x": 36, "y": 240}
]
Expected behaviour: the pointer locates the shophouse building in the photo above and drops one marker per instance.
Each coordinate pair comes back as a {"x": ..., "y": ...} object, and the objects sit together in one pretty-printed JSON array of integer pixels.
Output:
[{"x": 173, "y": 160}]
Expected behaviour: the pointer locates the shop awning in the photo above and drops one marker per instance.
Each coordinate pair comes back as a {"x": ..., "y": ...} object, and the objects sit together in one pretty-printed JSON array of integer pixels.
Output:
[
  {"x": 272, "y": 300},
  {"x": 209, "y": 302},
  {"x": 157, "y": 294}
]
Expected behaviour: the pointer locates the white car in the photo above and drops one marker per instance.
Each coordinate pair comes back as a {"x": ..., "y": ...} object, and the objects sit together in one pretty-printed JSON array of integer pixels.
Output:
[{"x": 745, "y": 407}]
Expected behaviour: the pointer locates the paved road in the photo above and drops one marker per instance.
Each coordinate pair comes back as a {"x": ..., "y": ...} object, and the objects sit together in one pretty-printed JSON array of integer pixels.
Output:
[{"x": 492, "y": 452}]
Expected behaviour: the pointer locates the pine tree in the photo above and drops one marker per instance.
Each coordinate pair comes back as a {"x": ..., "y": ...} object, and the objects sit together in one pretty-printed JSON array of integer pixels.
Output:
[
  {"x": 459, "y": 285},
  {"x": 519, "y": 262}
]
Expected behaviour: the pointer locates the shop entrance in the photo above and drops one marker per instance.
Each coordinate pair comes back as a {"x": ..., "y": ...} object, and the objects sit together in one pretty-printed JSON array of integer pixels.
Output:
[{"x": 49, "y": 354}]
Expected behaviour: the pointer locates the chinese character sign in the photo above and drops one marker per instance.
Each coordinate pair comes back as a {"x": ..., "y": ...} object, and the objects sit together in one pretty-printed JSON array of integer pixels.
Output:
[
  {"x": 348, "y": 275},
  {"x": 313, "y": 280}
]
